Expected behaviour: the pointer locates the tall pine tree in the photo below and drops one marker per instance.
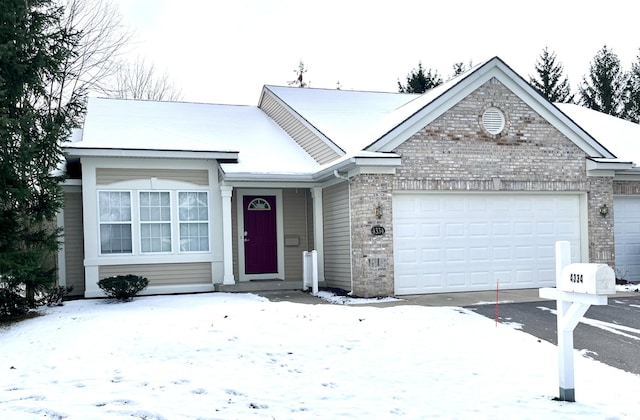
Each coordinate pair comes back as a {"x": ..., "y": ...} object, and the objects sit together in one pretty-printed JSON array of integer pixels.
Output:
[
  {"x": 604, "y": 88},
  {"x": 33, "y": 122},
  {"x": 419, "y": 82},
  {"x": 550, "y": 81},
  {"x": 632, "y": 106}
]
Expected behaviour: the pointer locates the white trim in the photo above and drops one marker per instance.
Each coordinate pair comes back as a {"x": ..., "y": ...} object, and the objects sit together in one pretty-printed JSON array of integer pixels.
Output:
[
  {"x": 148, "y": 153},
  {"x": 279, "y": 234},
  {"x": 292, "y": 111},
  {"x": 318, "y": 230},
  {"x": 226, "y": 193}
]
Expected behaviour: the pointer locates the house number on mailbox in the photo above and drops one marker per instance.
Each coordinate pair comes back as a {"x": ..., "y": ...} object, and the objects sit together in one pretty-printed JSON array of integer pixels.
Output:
[
  {"x": 377, "y": 230},
  {"x": 576, "y": 278}
]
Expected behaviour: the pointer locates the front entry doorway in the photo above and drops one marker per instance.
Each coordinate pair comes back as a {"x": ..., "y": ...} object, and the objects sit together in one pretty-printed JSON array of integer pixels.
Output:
[{"x": 261, "y": 235}]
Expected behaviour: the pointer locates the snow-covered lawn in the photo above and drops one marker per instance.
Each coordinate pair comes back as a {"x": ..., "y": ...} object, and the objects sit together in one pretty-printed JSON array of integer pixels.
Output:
[{"x": 239, "y": 356}]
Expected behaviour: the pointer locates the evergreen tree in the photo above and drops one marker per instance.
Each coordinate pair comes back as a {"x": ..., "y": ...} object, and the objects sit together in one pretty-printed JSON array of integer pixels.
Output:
[
  {"x": 458, "y": 69},
  {"x": 605, "y": 87},
  {"x": 550, "y": 82},
  {"x": 33, "y": 122},
  {"x": 632, "y": 106},
  {"x": 419, "y": 82},
  {"x": 299, "y": 80}
]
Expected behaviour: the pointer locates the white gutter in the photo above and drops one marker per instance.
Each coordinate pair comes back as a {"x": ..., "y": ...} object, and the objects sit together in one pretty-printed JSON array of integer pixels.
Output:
[{"x": 229, "y": 156}]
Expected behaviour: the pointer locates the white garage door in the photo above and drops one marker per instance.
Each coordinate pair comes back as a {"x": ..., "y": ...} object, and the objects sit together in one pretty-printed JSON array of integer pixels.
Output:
[
  {"x": 466, "y": 242},
  {"x": 626, "y": 219}
]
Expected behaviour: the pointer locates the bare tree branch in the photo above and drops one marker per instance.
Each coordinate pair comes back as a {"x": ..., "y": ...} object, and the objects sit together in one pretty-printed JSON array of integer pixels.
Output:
[
  {"x": 102, "y": 41},
  {"x": 139, "y": 80}
]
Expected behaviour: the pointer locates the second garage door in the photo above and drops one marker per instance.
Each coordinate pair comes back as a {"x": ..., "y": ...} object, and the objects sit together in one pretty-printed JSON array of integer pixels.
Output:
[
  {"x": 627, "y": 236},
  {"x": 468, "y": 242}
]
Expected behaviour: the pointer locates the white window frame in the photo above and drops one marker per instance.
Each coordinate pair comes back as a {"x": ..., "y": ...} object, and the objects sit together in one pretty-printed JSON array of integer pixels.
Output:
[
  {"x": 130, "y": 222},
  {"x": 155, "y": 222},
  {"x": 136, "y": 224},
  {"x": 191, "y": 222}
]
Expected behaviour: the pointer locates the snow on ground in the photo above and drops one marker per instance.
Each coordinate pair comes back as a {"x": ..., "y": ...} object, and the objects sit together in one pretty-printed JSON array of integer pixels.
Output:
[{"x": 239, "y": 356}]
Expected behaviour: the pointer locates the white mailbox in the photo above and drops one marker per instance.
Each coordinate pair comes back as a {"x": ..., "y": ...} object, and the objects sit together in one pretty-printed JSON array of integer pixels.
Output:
[{"x": 595, "y": 279}]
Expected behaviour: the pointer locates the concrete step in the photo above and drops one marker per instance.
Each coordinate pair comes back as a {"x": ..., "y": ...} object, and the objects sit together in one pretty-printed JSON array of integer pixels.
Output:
[{"x": 259, "y": 286}]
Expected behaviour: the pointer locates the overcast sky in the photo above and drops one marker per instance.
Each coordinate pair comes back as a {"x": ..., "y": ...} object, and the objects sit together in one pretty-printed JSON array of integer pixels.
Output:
[{"x": 224, "y": 51}]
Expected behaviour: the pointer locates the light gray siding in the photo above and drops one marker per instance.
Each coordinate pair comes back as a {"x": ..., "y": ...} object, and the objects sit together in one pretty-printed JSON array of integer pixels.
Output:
[
  {"x": 296, "y": 239},
  {"x": 337, "y": 239},
  {"x": 73, "y": 243},
  {"x": 106, "y": 176},
  {"x": 305, "y": 137},
  {"x": 163, "y": 274}
]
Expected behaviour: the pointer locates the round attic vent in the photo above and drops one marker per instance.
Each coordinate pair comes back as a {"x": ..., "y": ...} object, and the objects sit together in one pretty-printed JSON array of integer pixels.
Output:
[{"x": 493, "y": 120}]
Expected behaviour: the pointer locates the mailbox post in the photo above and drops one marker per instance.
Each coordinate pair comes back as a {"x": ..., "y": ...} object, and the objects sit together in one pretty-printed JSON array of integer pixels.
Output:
[{"x": 578, "y": 287}]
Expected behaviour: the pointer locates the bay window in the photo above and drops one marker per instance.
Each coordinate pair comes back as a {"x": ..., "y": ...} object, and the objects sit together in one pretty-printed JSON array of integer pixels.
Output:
[{"x": 165, "y": 222}]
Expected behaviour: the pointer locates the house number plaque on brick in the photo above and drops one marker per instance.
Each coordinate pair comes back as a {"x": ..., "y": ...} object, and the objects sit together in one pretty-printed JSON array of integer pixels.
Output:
[{"x": 377, "y": 230}]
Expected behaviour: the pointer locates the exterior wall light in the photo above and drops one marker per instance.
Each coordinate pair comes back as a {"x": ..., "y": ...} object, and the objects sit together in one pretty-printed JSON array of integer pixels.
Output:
[
  {"x": 604, "y": 210},
  {"x": 378, "y": 212}
]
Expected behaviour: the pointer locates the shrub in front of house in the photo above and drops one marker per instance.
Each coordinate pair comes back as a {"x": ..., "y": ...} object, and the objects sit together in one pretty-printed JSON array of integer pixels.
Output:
[
  {"x": 12, "y": 304},
  {"x": 123, "y": 287}
]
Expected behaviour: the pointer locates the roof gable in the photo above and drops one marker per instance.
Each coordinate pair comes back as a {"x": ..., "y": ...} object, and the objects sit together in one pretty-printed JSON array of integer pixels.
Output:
[
  {"x": 314, "y": 142},
  {"x": 338, "y": 117},
  {"x": 407, "y": 120}
]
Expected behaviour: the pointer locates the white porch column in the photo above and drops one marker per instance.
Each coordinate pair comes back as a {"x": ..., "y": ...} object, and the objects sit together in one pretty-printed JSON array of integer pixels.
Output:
[
  {"x": 318, "y": 230},
  {"x": 227, "y": 243}
]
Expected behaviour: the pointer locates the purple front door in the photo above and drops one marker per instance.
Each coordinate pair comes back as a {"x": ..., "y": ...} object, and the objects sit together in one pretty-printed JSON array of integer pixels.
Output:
[{"x": 260, "y": 239}]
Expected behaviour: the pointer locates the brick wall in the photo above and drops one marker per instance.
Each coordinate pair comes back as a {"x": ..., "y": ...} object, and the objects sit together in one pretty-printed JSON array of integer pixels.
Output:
[
  {"x": 454, "y": 152},
  {"x": 372, "y": 255}
]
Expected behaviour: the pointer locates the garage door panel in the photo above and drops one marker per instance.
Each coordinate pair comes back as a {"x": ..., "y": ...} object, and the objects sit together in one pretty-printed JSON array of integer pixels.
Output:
[
  {"x": 457, "y": 279},
  {"x": 627, "y": 236},
  {"x": 430, "y": 230},
  {"x": 524, "y": 253},
  {"x": 454, "y": 229},
  {"x": 547, "y": 252},
  {"x": 567, "y": 227},
  {"x": 407, "y": 256},
  {"x": 525, "y": 278},
  {"x": 503, "y": 278},
  {"x": 500, "y": 229},
  {"x": 479, "y": 254},
  {"x": 523, "y": 229},
  {"x": 544, "y": 228},
  {"x": 431, "y": 255},
  {"x": 501, "y": 253},
  {"x": 478, "y": 230},
  {"x": 470, "y": 241},
  {"x": 406, "y": 230},
  {"x": 455, "y": 255},
  {"x": 479, "y": 278}
]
